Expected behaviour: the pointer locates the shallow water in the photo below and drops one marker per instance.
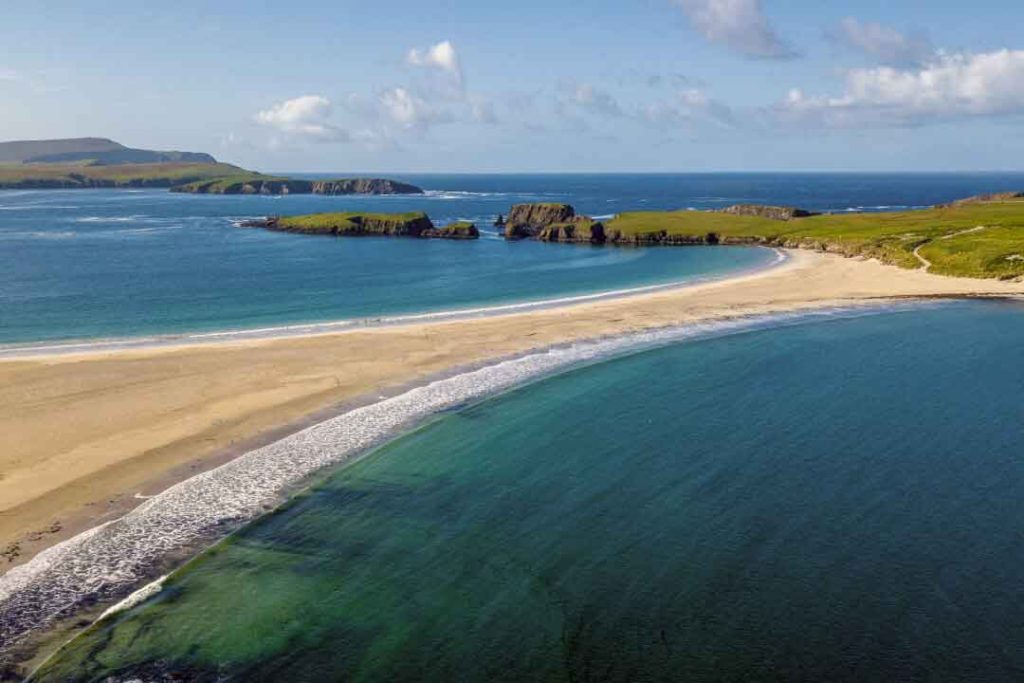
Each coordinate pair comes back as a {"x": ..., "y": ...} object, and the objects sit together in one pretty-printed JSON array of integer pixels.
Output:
[
  {"x": 835, "y": 500},
  {"x": 105, "y": 263}
]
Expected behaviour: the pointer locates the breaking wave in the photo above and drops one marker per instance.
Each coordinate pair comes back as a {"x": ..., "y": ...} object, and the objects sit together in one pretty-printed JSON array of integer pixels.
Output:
[{"x": 110, "y": 561}]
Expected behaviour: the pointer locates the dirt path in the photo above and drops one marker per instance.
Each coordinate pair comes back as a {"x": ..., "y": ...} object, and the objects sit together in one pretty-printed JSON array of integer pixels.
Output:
[{"x": 925, "y": 263}]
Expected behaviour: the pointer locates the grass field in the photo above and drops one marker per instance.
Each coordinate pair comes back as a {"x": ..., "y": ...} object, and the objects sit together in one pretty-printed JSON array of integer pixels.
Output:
[
  {"x": 977, "y": 239},
  {"x": 355, "y": 223},
  {"x": 28, "y": 176}
]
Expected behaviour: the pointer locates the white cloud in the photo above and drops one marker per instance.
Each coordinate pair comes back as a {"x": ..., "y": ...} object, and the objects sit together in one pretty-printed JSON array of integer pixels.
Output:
[
  {"x": 408, "y": 110},
  {"x": 307, "y": 116},
  {"x": 738, "y": 24},
  {"x": 441, "y": 56},
  {"x": 950, "y": 86},
  {"x": 884, "y": 43}
]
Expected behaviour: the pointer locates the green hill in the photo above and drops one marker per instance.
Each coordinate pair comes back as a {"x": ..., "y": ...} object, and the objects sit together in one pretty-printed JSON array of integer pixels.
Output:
[{"x": 91, "y": 151}]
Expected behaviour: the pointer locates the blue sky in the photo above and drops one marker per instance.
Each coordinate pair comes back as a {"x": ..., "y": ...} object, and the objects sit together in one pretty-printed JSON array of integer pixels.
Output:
[{"x": 642, "y": 85}]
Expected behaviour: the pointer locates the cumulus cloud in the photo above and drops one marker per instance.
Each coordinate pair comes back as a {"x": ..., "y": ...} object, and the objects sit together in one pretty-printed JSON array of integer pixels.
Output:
[
  {"x": 883, "y": 43},
  {"x": 441, "y": 56},
  {"x": 948, "y": 87},
  {"x": 307, "y": 116},
  {"x": 738, "y": 24}
]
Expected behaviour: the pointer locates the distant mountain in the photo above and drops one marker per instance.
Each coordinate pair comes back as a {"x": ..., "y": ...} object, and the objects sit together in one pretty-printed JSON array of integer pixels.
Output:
[{"x": 91, "y": 151}]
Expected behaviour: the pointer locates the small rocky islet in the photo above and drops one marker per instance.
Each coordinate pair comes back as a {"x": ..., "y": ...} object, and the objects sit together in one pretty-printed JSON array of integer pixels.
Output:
[{"x": 354, "y": 224}]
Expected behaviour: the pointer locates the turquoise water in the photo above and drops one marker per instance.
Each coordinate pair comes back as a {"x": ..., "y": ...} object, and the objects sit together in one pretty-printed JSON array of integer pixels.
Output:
[
  {"x": 107, "y": 263},
  {"x": 100, "y": 264},
  {"x": 826, "y": 501}
]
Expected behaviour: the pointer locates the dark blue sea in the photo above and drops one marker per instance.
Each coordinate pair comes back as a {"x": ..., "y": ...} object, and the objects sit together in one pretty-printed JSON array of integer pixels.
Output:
[{"x": 92, "y": 264}]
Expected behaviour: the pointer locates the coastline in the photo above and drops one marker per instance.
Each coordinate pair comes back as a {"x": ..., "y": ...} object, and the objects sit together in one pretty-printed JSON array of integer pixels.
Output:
[
  {"x": 140, "y": 420},
  {"x": 136, "y": 420},
  {"x": 25, "y": 350}
]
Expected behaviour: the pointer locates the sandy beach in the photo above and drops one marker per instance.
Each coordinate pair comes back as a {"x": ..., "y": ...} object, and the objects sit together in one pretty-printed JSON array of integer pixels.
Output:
[{"x": 90, "y": 435}]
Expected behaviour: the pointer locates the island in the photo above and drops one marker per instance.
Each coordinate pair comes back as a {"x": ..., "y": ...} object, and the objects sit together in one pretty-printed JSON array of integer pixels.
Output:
[
  {"x": 89, "y": 163},
  {"x": 255, "y": 183},
  {"x": 354, "y": 224},
  {"x": 979, "y": 237}
]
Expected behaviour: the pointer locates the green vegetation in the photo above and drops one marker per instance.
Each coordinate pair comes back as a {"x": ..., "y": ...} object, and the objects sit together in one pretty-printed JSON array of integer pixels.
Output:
[
  {"x": 459, "y": 230},
  {"x": 79, "y": 175},
  {"x": 354, "y": 223},
  {"x": 241, "y": 182},
  {"x": 982, "y": 239}
]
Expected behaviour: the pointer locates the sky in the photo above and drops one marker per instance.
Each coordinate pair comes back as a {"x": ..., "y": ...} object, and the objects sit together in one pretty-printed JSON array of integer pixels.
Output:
[{"x": 528, "y": 86}]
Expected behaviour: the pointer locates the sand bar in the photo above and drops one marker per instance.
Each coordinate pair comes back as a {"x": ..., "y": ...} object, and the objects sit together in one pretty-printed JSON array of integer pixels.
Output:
[{"x": 88, "y": 434}]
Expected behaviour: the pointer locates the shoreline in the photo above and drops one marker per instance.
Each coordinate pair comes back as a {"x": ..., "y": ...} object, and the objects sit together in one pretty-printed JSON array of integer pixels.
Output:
[
  {"x": 177, "y": 525},
  {"x": 245, "y": 411},
  {"x": 146, "y": 392},
  {"x": 44, "y": 348}
]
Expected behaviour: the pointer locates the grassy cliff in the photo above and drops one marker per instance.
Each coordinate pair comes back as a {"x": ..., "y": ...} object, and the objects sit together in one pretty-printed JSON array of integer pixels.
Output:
[
  {"x": 974, "y": 238},
  {"x": 356, "y": 224}
]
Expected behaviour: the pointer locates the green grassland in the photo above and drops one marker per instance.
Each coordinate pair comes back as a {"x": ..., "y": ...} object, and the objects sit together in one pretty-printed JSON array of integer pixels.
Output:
[
  {"x": 230, "y": 184},
  {"x": 354, "y": 223},
  {"x": 982, "y": 239},
  {"x": 83, "y": 175}
]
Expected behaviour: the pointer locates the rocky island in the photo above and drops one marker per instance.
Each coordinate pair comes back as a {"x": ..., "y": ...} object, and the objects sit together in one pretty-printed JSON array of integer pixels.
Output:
[
  {"x": 355, "y": 224},
  {"x": 258, "y": 184},
  {"x": 90, "y": 163}
]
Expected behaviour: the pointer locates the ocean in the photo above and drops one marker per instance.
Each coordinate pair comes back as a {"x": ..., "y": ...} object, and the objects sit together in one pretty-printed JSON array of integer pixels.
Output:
[
  {"x": 102, "y": 264},
  {"x": 831, "y": 497},
  {"x": 815, "y": 496}
]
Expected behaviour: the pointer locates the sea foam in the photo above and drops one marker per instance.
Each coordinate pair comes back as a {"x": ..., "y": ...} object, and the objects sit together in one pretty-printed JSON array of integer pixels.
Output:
[{"x": 110, "y": 561}]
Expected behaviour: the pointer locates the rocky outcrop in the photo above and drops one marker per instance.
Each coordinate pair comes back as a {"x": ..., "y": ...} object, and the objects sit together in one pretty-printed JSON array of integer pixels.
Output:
[
  {"x": 364, "y": 186},
  {"x": 461, "y": 230},
  {"x": 579, "y": 229},
  {"x": 354, "y": 224},
  {"x": 529, "y": 220},
  {"x": 775, "y": 213},
  {"x": 283, "y": 186}
]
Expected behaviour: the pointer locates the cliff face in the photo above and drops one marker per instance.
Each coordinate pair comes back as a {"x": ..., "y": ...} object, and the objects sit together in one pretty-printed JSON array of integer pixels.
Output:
[
  {"x": 529, "y": 220},
  {"x": 776, "y": 213},
  {"x": 275, "y": 186},
  {"x": 364, "y": 186},
  {"x": 462, "y": 230},
  {"x": 366, "y": 224}
]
